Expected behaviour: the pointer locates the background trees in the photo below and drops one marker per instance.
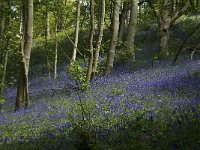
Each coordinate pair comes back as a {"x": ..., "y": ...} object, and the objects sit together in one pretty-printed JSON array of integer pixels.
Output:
[{"x": 97, "y": 34}]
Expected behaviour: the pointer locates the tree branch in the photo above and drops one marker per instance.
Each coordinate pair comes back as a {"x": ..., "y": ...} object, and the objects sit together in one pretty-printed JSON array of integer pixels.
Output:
[{"x": 178, "y": 14}]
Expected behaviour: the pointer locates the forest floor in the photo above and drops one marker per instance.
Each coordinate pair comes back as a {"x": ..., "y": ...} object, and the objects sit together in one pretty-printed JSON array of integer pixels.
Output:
[{"x": 133, "y": 108}]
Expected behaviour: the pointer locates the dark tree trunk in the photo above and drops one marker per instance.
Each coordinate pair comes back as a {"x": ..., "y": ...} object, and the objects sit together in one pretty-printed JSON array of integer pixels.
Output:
[{"x": 91, "y": 51}]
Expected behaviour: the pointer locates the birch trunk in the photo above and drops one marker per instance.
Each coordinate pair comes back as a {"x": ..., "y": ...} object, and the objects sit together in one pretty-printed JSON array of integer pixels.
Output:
[
  {"x": 77, "y": 31},
  {"x": 114, "y": 36},
  {"x": 100, "y": 37},
  {"x": 91, "y": 51},
  {"x": 22, "y": 98},
  {"x": 47, "y": 34},
  {"x": 56, "y": 53}
]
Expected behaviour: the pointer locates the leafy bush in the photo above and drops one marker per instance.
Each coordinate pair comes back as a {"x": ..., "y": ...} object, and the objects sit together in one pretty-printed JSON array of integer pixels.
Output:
[{"x": 78, "y": 72}]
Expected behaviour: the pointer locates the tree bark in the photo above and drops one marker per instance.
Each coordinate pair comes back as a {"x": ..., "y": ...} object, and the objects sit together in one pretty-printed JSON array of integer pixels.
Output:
[
  {"x": 4, "y": 67},
  {"x": 77, "y": 31},
  {"x": 100, "y": 37},
  {"x": 56, "y": 53},
  {"x": 2, "y": 24},
  {"x": 22, "y": 98},
  {"x": 132, "y": 28},
  {"x": 47, "y": 34},
  {"x": 123, "y": 17},
  {"x": 165, "y": 20},
  {"x": 163, "y": 40},
  {"x": 114, "y": 36},
  {"x": 91, "y": 51}
]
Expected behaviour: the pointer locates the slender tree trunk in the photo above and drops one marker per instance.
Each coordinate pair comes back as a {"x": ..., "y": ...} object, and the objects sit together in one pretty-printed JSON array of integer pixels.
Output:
[
  {"x": 132, "y": 28},
  {"x": 22, "y": 98},
  {"x": 56, "y": 53},
  {"x": 114, "y": 36},
  {"x": 123, "y": 17},
  {"x": 100, "y": 37},
  {"x": 47, "y": 34},
  {"x": 174, "y": 6},
  {"x": 77, "y": 31},
  {"x": 91, "y": 51},
  {"x": 2, "y": 24},
  {"x": 4, "y": 67},
  {"x": 60, "y": 17}
]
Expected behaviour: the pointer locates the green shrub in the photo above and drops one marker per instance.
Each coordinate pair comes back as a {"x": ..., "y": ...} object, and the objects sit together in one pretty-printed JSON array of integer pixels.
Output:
[
  {"x": 78, "y": 72},
  {"x": 2, "y": 101}
]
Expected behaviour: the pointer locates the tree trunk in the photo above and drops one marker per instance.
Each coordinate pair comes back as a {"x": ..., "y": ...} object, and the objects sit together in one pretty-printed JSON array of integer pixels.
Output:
[
  {"x": 164, "y": 27},
  {"x": 123, "y": 17},
  {"x": 22, "y": 98},
  {"x": 114, "y": 36},
  {"x": 163, "y": 40},
  {"x": 90, "y": 60},
  {"x": 4, "y": 67},
  {"x": 2, "y": 24},
  {"x": 165, "y": 20},
  {"x": 56, "y": 53},
  {"x": 77, "y": 31},
  {"x": 47, "y": 33},
  {"x": 100, "y": 37},
  {"x": 132, "y": 28}
]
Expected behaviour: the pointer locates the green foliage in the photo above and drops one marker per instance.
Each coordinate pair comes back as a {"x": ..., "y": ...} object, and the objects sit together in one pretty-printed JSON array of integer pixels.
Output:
[
  {"x": 196, "y": 73},
  {"x": 2, "y": 101},
  {"x": 187, "y": 24},
  {"x": 124, "y": 54},
  {"x": 1, "y": 71},
  {"x": 78, "y": 72}
]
